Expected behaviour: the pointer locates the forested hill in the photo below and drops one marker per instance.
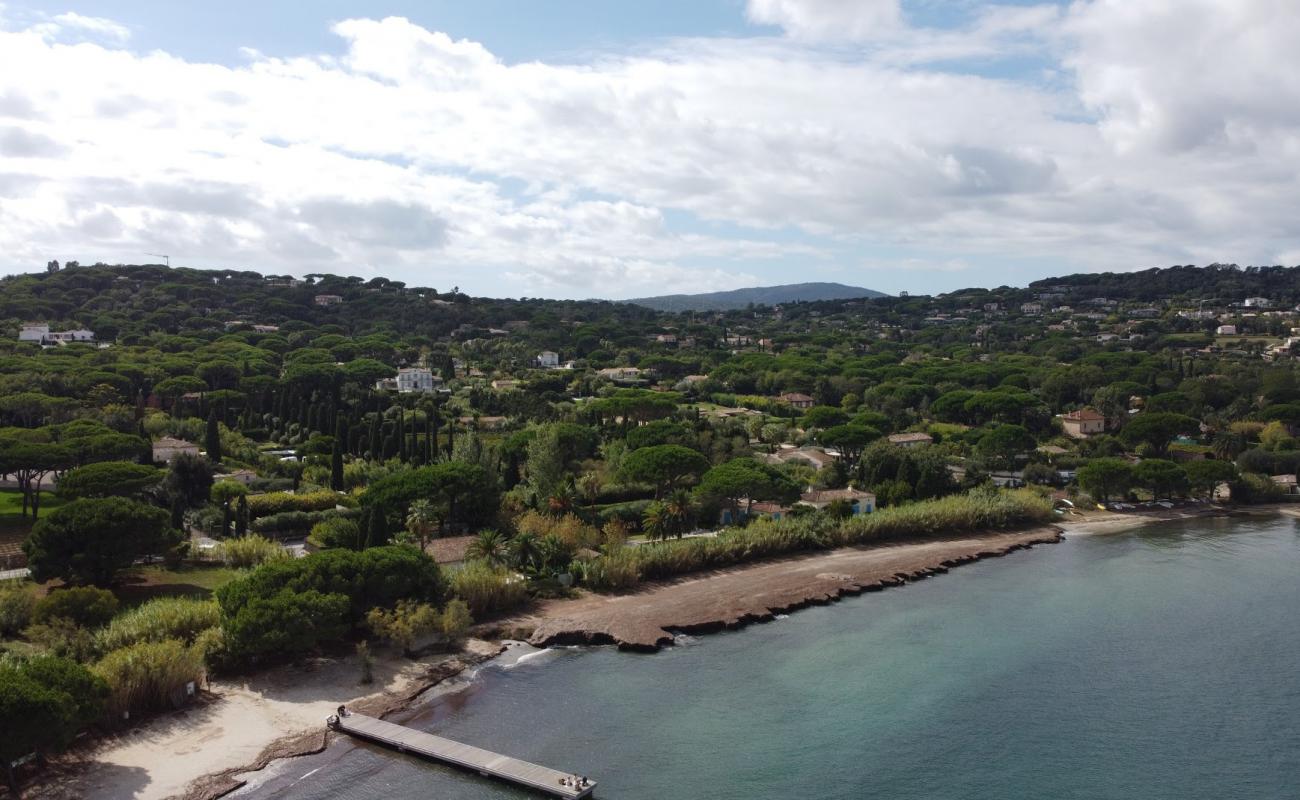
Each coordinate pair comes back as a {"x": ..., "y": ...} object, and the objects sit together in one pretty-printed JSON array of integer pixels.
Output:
[
  {"x": 1226, "y": 282},
  {"x": 128, "y": 301},
  {"x": 759, "y": 295}
]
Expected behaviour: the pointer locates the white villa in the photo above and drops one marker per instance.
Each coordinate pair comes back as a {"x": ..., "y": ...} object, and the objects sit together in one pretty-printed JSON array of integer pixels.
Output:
[{"x": 411, "y": 379}]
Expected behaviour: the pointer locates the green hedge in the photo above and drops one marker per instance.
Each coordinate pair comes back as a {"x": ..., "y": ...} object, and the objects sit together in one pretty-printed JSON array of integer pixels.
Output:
[{"x": 264, "y": 505}]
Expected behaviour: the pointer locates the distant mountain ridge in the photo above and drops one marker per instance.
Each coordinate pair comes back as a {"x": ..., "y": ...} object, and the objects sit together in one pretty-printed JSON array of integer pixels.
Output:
[{"x": 758, "y": 295}]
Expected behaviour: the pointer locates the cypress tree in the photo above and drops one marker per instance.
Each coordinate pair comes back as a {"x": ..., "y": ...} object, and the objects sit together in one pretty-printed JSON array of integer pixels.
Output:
[
  {"x": 213, "y": 439},
  {"x": 401, "y": 435},
  {"x": 376, "y": 437},
  {"x": 336, "y": 457},
  {"x": 241, "y": 516}
]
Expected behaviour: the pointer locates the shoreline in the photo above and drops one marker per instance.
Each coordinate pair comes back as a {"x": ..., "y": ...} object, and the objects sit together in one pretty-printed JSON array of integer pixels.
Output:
[
  {"x": 731, "y": 598},
  {"x": 1095, "y": 523},
  {"x": 641, "y": 621}
]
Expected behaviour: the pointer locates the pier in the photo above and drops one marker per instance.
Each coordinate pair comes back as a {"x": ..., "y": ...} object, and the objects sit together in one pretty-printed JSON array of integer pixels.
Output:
[{"x": 484, "y": 762}]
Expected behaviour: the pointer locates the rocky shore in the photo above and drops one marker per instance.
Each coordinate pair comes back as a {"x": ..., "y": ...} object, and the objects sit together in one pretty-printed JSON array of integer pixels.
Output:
[
  {"x": 204, "y": 754},
  {"x": 717, "y": 600}
]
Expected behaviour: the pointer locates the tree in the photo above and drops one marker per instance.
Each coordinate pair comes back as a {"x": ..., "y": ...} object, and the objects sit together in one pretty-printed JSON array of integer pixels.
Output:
[
  {"x": 545, "y": 465},
  {"x": 91, "y": 540},
  {"x": 1203, "y": 476},
  {"x": 1157, "y": 429},
  {"x": 109, "y": 479},
  {"x": 1227, "y": 445},
  {"x": 1104, "y": 477},
  {"x": 460, "y": 493},
  {"x": 44, "y": 702},
  {"x": 489, "y": 546},
  {"x": 824, "y": 417},
  {"x": 422, "y": 519},
  {"x": 664, "y": 466},
  {"x": 336, "y": 455},
  {"x": 1162, "y": 477},
  {"x": 746, "y": 478},
  {"x": 1004, "y": 443},
  {"x": 212, "y": 439},
  {"x": 851, "y": 440},
  {"x": 222, "y": 493},
  {"x": 29, "y": 463},
  {"x": 189, "y": 479}
]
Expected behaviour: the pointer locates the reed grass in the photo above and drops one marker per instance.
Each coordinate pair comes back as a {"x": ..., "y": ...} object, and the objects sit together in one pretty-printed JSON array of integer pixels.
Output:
[
  {"x": 487, "y": 589},
  {"x": 946, "y": 516},
  {"x": 149, "y": 676},
  {"x": 180, "y": 618},
  {"x": 250, "y": 551}
]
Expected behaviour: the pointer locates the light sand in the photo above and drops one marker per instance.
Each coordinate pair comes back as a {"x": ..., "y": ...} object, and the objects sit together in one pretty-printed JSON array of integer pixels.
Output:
[
  {"x": 237, "y": 725},
  {"x": 1089, "y": 523},
  {"x": 243, "y": 725}
]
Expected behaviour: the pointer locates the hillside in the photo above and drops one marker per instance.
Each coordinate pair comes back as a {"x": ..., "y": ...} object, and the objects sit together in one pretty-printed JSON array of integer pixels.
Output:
[{"x": 758, "y": 295}]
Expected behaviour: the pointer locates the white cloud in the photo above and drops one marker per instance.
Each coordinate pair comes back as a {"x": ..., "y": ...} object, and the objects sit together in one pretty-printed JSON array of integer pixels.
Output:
[
  {"x": 420, "y": 155},
  {"x": 833, "y": 20},
  {"x": 96, "y": 25}
]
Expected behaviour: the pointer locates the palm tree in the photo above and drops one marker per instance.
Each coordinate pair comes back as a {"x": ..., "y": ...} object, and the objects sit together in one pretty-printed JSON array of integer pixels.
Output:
[
  {"x": 679, "y": 510},
  {"x": 489, "y": 546},
  {"x": 589, "y": 485},
  {"x": 562, "y": 499},
  {"x": 525, "y": 551},
  {"x": 656, "y": 522},
  {"x": 421, "y": 521},
  {"x": 1228, "y": 445}
]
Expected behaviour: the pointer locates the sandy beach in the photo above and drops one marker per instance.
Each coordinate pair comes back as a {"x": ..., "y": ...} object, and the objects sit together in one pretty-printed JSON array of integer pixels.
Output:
[{"x": 242, "y": 725}]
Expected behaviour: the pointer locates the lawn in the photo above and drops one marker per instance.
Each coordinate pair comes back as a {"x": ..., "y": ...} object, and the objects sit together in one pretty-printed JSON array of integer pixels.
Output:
[
  {"x": 13, "y": 527},
  {"x": 189, "y": 580}
]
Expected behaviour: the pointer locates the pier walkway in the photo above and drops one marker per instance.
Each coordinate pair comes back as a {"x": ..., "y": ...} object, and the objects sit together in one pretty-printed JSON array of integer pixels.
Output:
[{"x": 484, "y": 762}]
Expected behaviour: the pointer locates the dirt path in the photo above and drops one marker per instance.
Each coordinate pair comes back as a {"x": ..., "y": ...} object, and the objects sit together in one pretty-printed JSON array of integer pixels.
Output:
[{"x": 722, "y": 599}]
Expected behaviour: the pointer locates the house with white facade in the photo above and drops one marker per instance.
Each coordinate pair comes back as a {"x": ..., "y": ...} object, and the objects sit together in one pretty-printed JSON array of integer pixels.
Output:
[
  {"x": 548, "y": 360},
  {"x": 411, "y": 379}
]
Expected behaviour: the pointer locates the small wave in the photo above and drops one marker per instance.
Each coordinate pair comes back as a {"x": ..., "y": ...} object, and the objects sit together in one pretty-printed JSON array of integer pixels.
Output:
[
  {"x": 525, "y": 654},
  {"x": 781, "y": 616},
  {"x": 685, "y": 640}
]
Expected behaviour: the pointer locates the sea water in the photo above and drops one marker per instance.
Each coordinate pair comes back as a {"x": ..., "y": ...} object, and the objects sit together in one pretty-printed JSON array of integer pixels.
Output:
[{"x": 1159, "y": 663}]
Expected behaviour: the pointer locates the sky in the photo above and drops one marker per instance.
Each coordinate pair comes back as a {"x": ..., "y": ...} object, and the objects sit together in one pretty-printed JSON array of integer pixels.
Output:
[{"x": 585, "y": 148}]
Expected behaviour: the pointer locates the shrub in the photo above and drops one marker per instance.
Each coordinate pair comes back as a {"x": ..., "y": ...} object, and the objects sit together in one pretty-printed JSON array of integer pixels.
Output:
[
  {"x": 487, "y": 589},
  {"x": 109, "y": 479},
  {"x": 83, "y": 605},
  {"x": 64, "y": 638},
  {"x": 250, "y": 551},
  {"x": 287, "y": 607},
  {"x": 618, "y": 570},
  {"x": 379, "y": 576},
  {"x": 404, "y": 624},
  {"x": 16, "y": 606},
  {"x": 44, "y": 701},
  {"x": 569, "y": 528},
  {"x": 336, "y": 531},
  {"x": 283, "y": 625},
  {"x": 149, "y": 676},
  {"x": 455, "y": 621},
  {"x": 766, "y": 538},
  {"x": 264, "y": 505},
  {"x": 181, "y": 618}
]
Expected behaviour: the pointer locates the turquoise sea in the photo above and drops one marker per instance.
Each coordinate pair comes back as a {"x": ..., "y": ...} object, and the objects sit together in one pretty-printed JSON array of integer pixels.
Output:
[{"x": 1161, "y": 663}]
